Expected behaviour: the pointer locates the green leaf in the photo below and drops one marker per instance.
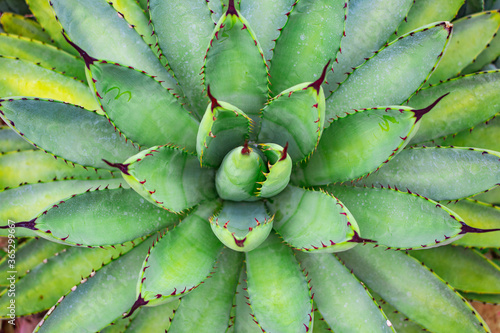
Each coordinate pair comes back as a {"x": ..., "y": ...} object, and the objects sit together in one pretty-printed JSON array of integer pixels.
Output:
[
  {"x": 50, "y": 279},
  {"x": 492, "y": 196},
  {"x": 84, "y": 24},
  {"x": 23, "y": 78},
  {"x": 483, "y": 136},
  {"x": 357, "y": 144},
  {"x": 69, "y": 131},
  {"x": 313, "y": 221},
  {"x": 196, "y": 313},
  {"x": 179, "y": 261},
  {"x": 273, "y": 270},
  {"x": 100, "y": 218},
  {"x": 242, "y": 226},
  {"x": 485, "y": 298},
  {"x": 222, "y": 127},
  {"x": 244, "y": 321},
  {"x": 28, "y": 256},
  {"x": 31, "y": 166},
  {"x": 25, "y": 202},
  {"x": 398, "y": 219},
  {"x": 342, "y": 300},
  {"x": 15, "y": 6},
  {"x": 169, "y": 177},
  {"x": 100, "y": 298},
  {"x": 478, "y": 215},
  {"x": 266, "y": 19},
  {"x": 471, "y": 34},
  {"x": 427, "y": 11},
  {"x": 295, "y": 118},
  {"x": 122, "y": 91},
  {"x": 463, "y": 268},
  {"x": 19, "y": 25},
  {"x": 413, "y": 289},
  {"x": 11, "y": 141},
  {"x": 279, "y": 165},
  {"x": 426, "y": 171},
  {"x": 46, "y": 55},
  {"x": 472, "y": 100},
  {"x": 393, "y": 73},
  {"x": 368, "y": 26},
  {"x": 304, "y": 46},
  {"x": 42, "y": 10},
  {"x": 176, "y": 22},
  {"x": 235, "y": 68},
  {"x": 153, "y": 319}
]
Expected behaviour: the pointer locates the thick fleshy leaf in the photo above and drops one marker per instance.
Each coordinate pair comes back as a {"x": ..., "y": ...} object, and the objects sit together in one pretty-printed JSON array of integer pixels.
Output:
[
  {"x": 14, "y": 6},
  {"x": 319, "y": 323},
  {"x": 11, "y": 141},
  {"x": 222, "y": 128},
  {"x": 50, "y": 279},
  {"x": 242, "y": 226},
  {"x": 169, "y": 177},
  {"x": 140, "y": 107},
  {"x": 471, "y": 34},
  {"x": 478, "y": 215},
  {"x": 342, "y": 300},
  {"x": 305, "y": 46},
  {"x": 25, "y": 202},
  {"x": 485, "y": 298},
  {"x": 398, "y": 219},
  {"x": 492, "y": 196},
  {"x": 427, "y": 11},
  {"x": 176, "y": 22},
  {"x": 393, "y": 73},
  {"x": 295, "y": 118},
  {"x": 266, "y": 19},
  {"x": 210, "y": 304},
  {"x": 273, "y": 270},
  {"x": 100, "y": 298},
  {"x": 242, "y": 81},
  {"x": 44, "y": 14},
  {"x": 155, "y": 319},
  {"x": 31, "y": 166},
  {"x": 19, "y": 25},
  {"x": 179, "y": 261},
  {"x": 23, "y": 78},
  {"x": 440, "y": 173},
  {"x": 357, "y": 144},
  {"x": 100, "y": 218},
  {"x": 68, "y": 131},
  {"x": 472, "y": 100},
  {"x": 41, "y": 53},
  {"x": 413, "y": 289},
  {"x": 96, "y": 16},
  {"x": 487, "y": 56},
  {"x": 463, "y": 268},
  {"x": 27, "y": 256},
  {"x": 483, "y": 136},
  {"x": 313, "y": 221},
  {"x": 368, "y": 26},
  {"x": 244, "y": 321}
]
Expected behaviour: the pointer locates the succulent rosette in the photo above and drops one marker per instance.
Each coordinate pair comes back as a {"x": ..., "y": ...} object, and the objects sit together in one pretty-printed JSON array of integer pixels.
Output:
[{"x": 251, "y": 166}]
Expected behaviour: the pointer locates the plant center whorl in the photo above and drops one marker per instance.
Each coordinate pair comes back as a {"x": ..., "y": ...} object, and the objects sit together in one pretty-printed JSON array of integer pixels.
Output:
[{"x": 249, "y": 173}]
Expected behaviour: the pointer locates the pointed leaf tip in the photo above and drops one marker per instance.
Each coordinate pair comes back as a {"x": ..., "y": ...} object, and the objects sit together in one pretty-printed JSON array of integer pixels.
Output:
[
  {"x": 357, "y": 239},
  {"x": 138, "y": 303},
  {"x": 231, "y": 9},
  {"x": 214, "y": 101},
  {"x": 421, "y": 112},
  {"x": 317, "y": 84},
  {"x": 284, "y": 152},
  {"x": 86, "y": 57},
  {"x": 466, "y": 229},
  {"x": 122, "y": 167},
  {"x": 245, "y": 150},
  {"x": 28, "y": 224}
]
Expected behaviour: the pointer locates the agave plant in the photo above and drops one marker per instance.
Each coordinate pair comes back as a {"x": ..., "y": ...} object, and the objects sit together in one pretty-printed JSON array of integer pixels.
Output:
[{"x": 276, "y": 166}]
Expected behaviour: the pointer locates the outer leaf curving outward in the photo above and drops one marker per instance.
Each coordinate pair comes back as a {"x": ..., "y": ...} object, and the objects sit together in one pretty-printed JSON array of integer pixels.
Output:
[{"x": 100, "y": 218}]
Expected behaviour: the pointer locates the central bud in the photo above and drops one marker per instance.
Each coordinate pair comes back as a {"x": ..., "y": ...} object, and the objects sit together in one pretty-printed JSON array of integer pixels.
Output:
[
  {"x": 240, "y": 173},
  {"x": 246, "y": 173}
]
